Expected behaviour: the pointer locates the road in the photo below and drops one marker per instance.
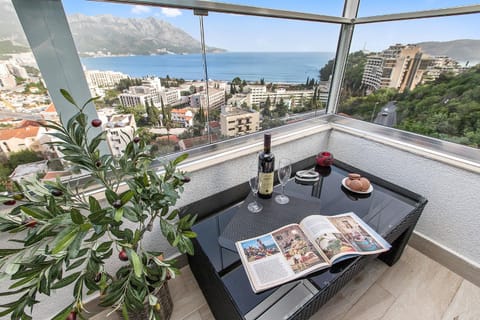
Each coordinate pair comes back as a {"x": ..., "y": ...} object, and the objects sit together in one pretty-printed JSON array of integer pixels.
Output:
[
  {"x": 387, "y": 116},
  {"x": 19, "y": 115},
  {"x": 301, "y": 116}
]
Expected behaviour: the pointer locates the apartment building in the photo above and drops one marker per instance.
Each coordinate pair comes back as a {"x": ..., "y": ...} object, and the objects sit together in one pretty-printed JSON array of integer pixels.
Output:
[
  {"x": 18, "y": 139},
  {"x": 400, "y": 67},
  {"x": 119, "y": 128},
  {"x": 258, "y": 94},
  {"x": 235, "y": 121},
  {"x": 295, "y": 98},
  {"x": 153, "y": 82},
  {"x": 139, "y": 95},
  {"x": 439, "y": 65},
  {"x": 182, "y": 116},
  {"x": 216, "y": 98},
  {"x": 372, "y": 73},
  {"x": 104, "y": 79},
  {"x": 170, "y": 96},
  {"x": 7, "y": 80}
]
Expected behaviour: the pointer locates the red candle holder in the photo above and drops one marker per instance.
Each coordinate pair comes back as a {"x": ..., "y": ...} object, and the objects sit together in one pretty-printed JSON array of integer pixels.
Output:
[{"x": 324, "y": 159}]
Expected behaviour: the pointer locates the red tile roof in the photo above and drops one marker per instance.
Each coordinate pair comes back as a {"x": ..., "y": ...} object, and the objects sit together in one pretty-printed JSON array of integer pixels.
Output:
[
  {"x": 52, "y": 175},
  {"x": 28, "y": 123},
  {"x": 20, "y": 133},
  {"x": 51, "y": 108},
  {"x": 172, "y": 138}
]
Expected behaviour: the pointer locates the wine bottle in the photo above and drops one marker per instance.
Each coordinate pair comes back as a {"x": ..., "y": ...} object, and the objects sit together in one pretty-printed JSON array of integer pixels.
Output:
[{"x": 266, "y": 167}]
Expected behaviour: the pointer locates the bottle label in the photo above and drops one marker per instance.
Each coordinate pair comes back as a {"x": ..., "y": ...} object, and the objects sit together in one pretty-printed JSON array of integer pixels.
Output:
[{"x": 265, "y": 183}]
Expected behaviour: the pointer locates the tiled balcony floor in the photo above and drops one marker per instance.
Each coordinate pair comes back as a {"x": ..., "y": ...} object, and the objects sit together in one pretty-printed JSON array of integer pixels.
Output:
[{"x": 415, "y": 288}]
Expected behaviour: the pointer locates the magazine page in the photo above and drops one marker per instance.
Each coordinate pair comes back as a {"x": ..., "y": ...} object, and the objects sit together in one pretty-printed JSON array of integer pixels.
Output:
[
  {"x": 343, "y": 235},
  {"x": 278, "y": 257}
]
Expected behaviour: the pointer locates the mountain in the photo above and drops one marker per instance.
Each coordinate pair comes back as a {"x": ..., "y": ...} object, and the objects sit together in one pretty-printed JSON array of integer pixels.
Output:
[
  {"x": 460, "y": 50},
  {"x": 107, "y": 33},
  {"x": 130, "y": 35},
  {"x": 10, "y": 28}
]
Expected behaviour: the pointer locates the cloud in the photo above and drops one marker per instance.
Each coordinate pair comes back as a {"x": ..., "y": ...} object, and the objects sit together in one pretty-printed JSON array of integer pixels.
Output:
[
  {"x": 140, "y": 9},
  {"x": 170, "y": 12}
]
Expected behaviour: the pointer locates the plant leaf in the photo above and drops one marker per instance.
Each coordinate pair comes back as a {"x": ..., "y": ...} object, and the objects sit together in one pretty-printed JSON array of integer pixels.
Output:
[
  {"x": 65, "y": 239},
  {"x": 137, "y": 264},
  {"x": 76, "y": 216},
  {"x": 67, "y": 96},
  {"x": 126, "y": 196},
  {"x": 66, "y": 281},
  {"x": 180, "y": 159},
  {"x": 62, "y": 315}
]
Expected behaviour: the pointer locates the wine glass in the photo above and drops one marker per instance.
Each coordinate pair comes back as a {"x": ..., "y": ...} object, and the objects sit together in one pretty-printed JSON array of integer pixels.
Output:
[
  {"x": 284, "y": 172},
  {"x": 254, "y": 206}
]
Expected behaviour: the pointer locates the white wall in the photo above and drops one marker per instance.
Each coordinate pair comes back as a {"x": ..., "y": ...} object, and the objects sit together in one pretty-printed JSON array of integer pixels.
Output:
[{"x": 452, "y": 215}]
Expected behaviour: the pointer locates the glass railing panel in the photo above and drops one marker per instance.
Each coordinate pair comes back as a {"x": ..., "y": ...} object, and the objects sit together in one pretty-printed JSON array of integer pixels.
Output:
[
  {"x": 423, "y": 82},
  {"x": 144, "y": 61},
  {"x": 379, "y": 7},
  {"x": 333, "y": 8},
  {"x": 24, "y": 102},
  {"x": 269, "y": 71}
]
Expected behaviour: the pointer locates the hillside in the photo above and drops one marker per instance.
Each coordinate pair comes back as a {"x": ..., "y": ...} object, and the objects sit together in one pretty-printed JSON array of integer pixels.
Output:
[
  {"x": 130, "y": 35},
  {"x": 107, "y": 33},
  {"x": 461, "y": 50}
]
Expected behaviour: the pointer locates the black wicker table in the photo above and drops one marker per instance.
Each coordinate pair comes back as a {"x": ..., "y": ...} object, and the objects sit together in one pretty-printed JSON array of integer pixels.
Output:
[{"x": 390, "y": 210}]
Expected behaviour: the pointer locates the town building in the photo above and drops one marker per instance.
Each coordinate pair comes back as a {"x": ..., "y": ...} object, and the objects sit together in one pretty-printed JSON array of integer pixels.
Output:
[
  {"x": 29, "y": 170},
  {"x": 50, "y": 113},
  {"x": 104, "y": 79},
  {"x": 439, "y": 65},
  {"x": 18, "y": 71},
  {"x": 236, "y": 121},
  {"x": 216, "y": 98},
  {"x": 153, "y": 82},
  {"x": 372, "y": 72},
  {"x": 182, "y": 116},
  {"x": 170, "y": 96},
  {"x": 139, "y": 95},
  {"x": 258, "y": 95},
  {"x": 7, "y": 80},
  {"x": 296, "y": 98},
  {"x": 120, "y": 128},
  {"x": 18, "y": 139},
  {"x": 400, "y": 67}
]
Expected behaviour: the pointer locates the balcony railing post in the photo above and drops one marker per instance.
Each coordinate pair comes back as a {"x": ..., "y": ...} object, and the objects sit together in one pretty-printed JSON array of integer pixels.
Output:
[
  {"x": 49, "y": 36},
  {"x": 201, "y": 14},
  {"x": 343, "y": 47}
]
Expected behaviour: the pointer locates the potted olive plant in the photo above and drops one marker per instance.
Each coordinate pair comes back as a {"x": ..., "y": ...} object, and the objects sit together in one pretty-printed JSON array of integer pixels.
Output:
[{"x": 64, "y": 235}]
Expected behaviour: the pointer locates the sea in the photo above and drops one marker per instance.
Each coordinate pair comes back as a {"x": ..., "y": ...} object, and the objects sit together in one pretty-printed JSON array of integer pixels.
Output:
[{"x": 278, "y": 67}]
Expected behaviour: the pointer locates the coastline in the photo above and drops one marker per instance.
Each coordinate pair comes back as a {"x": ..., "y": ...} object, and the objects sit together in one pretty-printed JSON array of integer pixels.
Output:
[{"x": 274, "y": 67}]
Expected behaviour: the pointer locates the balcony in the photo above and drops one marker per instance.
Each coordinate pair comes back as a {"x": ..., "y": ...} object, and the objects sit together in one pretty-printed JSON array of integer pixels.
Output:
[
  {"x": 438, "y": 276},
  {"x": 416, "y": 288}
]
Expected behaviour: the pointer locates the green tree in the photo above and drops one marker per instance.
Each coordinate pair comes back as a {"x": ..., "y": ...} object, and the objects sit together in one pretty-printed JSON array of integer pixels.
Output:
[
  {"x": 153, "y": 113},
  {"x": 23, "y": 157},
  {"x": 166, "y": 118},
  {"x": 138, "y": 112},
  {"x": 327, "y": 70},
  {"x": 266, "y": 108},
  {"x": 352, "y": 82}
]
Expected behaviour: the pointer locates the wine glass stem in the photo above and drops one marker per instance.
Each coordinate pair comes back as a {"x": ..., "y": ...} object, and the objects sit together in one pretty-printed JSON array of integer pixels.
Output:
[{"x": 283, "y": 189}]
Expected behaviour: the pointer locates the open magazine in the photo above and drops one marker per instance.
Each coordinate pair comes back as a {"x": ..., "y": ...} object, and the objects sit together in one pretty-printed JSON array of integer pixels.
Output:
[{"x": 296, "y": 250}]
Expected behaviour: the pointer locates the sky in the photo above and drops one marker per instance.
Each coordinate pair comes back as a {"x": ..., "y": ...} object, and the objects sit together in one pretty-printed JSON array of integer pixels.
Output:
[{"x": 238, "y": 33}]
